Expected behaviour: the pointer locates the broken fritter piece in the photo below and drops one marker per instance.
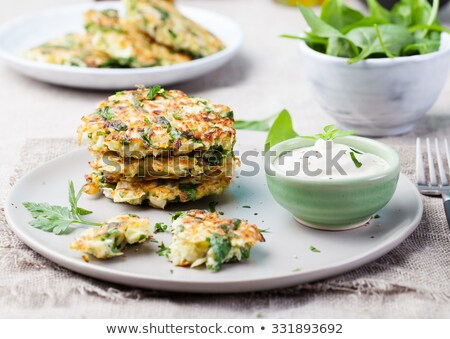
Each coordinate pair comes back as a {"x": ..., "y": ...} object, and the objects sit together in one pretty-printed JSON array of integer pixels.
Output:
[
  {"x": 201, "y": 237},
  {"x": 110, "y": 239}
]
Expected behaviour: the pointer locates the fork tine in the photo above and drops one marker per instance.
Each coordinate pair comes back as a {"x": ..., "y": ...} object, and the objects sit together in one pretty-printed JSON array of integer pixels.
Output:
[
  {"x": 420, "y": 168},
  {"x": 447, "y": 152},
  {"x": 433, "y": 179},
  {"x": 441, "y": 169}
]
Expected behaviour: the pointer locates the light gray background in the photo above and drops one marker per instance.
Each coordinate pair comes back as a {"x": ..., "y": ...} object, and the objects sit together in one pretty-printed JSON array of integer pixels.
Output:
[{"x": 264, "y": 78}]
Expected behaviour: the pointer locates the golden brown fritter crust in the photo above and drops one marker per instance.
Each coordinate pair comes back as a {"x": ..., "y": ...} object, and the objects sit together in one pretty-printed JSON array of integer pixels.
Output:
[{"x": 151, "y": 122}]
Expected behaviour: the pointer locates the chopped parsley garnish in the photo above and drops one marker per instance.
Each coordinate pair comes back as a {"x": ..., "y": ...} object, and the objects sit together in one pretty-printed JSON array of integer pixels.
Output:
[
  {"x": 220, "y": 246},
  {"x": 160, "y": 227},
  {"x": 297, "y": 269},
  {"x": 163, "y": 250},
  {"x": 313, "y": 249},
  {"x": 172, "y": 34},
  {"x": 246, "y": 206},
  {"x": 164, "y": 13},
  {"x": 177, "y": 215},
  {"x": 162, "y": 120},
  {"x": 106, "y": 113},
  {"x": 154, "y": 91},
  {"x": 236, "y": 223},
  {"x": 132, "y": 215},
  {"x": 190, "y": 190},
  {"x": 230, "y": 115},
  {"x": 376, "y": 216},
  {"x": 264, "y": 230}
]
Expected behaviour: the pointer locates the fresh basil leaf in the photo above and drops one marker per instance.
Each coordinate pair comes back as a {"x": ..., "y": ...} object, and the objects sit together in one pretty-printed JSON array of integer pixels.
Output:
[
  {"x": 281, "y": 130},
  {"x": 338, "y": 15}
]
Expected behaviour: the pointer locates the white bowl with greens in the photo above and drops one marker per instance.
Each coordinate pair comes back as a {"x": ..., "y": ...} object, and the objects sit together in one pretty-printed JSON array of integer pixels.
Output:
[{"x": 378, "y": 74}]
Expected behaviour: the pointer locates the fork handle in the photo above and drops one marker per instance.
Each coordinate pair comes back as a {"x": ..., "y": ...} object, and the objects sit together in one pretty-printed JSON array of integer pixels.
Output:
[{"x": 447, "y": 210}]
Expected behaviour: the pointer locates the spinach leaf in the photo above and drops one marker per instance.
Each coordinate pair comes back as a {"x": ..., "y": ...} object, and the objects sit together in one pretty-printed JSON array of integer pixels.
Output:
[
  {"x": 281, "y": 130},
  {"x": 338, "y": 15},
  {"x": 380, "y": 14},
  {"x": 391, "y": 38},
  {"x": 339, "y": 47},
  {"x": 254, "y": 125}
]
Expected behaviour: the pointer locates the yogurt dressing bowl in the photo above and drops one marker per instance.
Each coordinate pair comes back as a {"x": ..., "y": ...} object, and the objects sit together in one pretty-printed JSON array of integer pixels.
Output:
[{"x": 342, "y": 202}]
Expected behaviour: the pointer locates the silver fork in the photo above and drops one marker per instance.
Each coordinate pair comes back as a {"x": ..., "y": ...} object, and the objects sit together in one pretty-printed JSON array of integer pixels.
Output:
[{"x": 433, "y": 187}]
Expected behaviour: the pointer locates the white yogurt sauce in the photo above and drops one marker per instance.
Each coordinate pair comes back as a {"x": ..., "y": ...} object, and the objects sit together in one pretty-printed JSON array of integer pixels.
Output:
[{"x": 316, "y": 162}]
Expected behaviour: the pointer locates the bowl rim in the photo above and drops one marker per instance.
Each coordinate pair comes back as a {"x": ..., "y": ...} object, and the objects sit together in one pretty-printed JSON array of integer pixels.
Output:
[
  {"x": 379, "y": 62},
  {"x": 393, "y": 169}
]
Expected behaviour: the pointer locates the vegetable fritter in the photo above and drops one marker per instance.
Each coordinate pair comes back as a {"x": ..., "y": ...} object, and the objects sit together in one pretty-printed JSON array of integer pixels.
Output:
[
  {"x": 201, "y": 237},
  {"x": 152, "y": 121},
  {"x": 163, "y": 22},
  {"x": 210, "y": 163},
  {"x": 70, "y": 50},
  {"x": 125, "y": 44},
  {"x": 157, "y": 192},
  {"x": 113, "y": 236}
]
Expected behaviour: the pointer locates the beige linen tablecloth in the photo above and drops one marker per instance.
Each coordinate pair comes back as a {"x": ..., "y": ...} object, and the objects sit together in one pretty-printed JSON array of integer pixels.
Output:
[{"x": 39, "y": 123}]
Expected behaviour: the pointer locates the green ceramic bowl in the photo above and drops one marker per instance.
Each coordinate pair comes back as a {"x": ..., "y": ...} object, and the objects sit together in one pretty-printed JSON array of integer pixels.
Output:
[{"x": 338, "y": 204}]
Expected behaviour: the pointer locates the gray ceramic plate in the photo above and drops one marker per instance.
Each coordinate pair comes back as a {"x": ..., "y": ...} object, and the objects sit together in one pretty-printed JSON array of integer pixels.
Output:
[{"x": 284, "y": 260}]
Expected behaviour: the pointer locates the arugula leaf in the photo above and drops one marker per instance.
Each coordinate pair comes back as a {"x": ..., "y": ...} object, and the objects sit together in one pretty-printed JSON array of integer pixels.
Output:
[
  {"x": 281, "y": 130},
  {"x": 338, "y": 15}
]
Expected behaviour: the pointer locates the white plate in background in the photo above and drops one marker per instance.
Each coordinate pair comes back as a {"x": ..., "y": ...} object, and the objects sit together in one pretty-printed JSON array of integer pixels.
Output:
[
  {"x": 32, "y": 30},
  {"x": 285, "y": 259}
]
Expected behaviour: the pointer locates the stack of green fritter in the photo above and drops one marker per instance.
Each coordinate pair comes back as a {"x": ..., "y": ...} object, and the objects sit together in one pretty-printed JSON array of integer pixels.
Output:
[
  {"x": 152, "y": 33},
  {"x": 159, "y": 146}
]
